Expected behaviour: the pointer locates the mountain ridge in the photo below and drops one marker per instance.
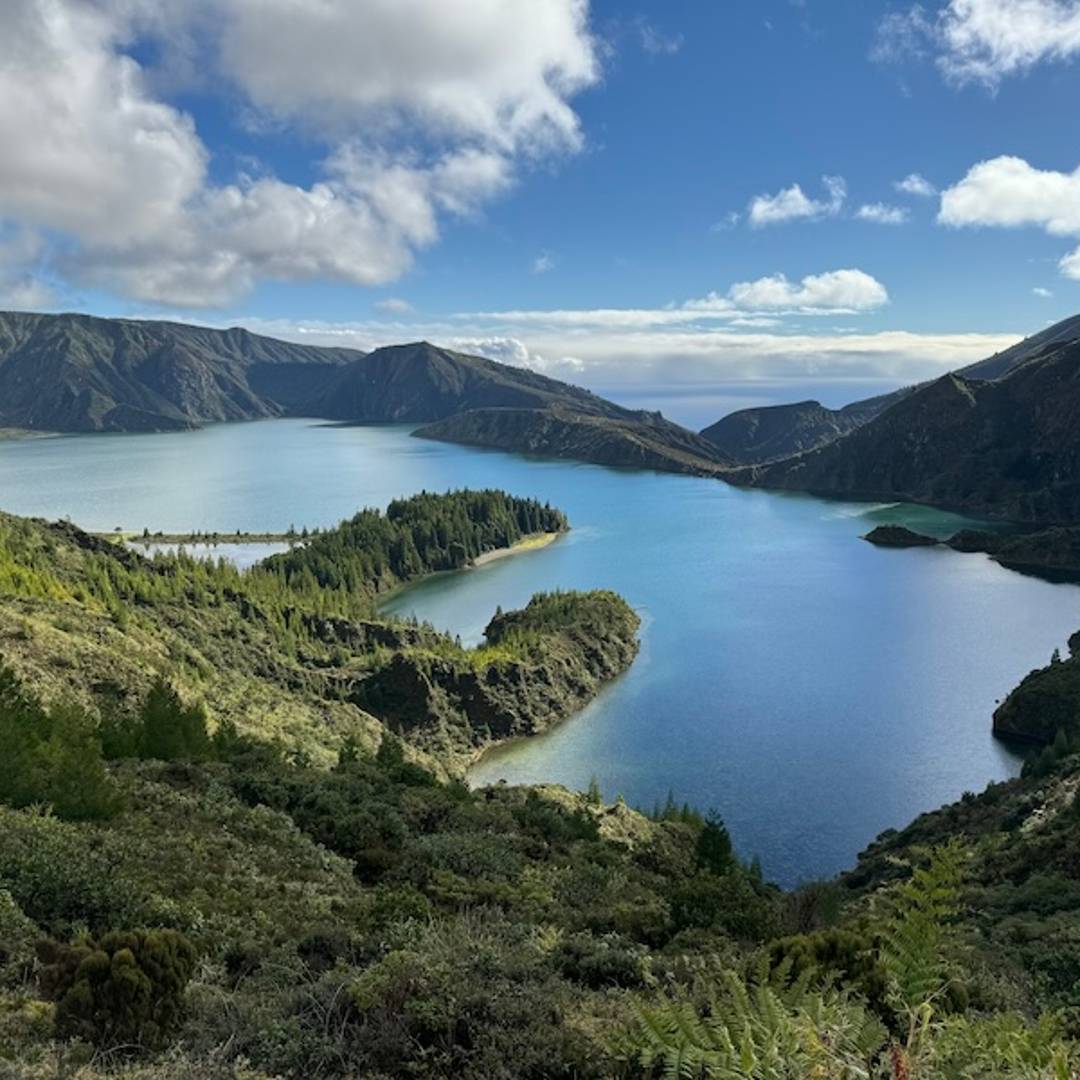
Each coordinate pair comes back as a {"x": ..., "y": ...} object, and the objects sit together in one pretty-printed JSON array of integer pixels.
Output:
[
  {"x": 1004, "y": 448},
  {"x": 761, "y": 435},
  {"x": 82, "y": 373}
]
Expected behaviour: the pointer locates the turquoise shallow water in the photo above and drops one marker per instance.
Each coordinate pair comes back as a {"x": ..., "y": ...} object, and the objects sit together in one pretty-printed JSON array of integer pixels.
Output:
[{"x": 813, "y": 689}]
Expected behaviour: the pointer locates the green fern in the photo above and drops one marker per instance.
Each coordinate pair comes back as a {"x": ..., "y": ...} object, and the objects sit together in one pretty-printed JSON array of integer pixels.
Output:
[{"x": 758, "y": 1030}]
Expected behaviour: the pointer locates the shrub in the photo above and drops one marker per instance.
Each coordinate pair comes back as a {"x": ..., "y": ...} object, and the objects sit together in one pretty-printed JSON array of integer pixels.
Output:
[
  {"x": 171, "y": 730},
  {"x": 51, "y": 756},
  {"x": 604, "y": 961},
  {"x": 729, "y": 903},
  {"x": 17, "y": 937},
  {"x": 123, "y": 990},
  {"x": 59, "y": 877}
]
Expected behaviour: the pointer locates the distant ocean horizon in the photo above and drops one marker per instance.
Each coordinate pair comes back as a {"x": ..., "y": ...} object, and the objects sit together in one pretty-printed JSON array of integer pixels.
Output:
[{"x": 697, "y": 405}]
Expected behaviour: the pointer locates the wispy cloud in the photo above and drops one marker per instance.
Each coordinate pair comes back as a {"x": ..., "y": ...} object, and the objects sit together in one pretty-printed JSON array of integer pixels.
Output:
[
  {"x": 394, "y": 305},
  {"x": 982, "y": 41},
  {"x": 543, "y": 263},
  {"x": 882, "y": 214},
  {"x": 916, "y": 184},
  {"x": 655, "y": 41},
  {"x": 793, "y": 204}
]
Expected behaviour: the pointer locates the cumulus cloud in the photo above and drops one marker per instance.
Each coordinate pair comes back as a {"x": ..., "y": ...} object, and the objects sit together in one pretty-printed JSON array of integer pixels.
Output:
[
  {"x": 835, "y": 292},
  {"x": 793, "y": 204},
  {"x": 422, "y": 110},
  {"x": 746, "y": 303},
  {"x": 882, "y": 214},
  {"x": 1007, "y": 192},
  {"x": 986, "y": 40},
  {"x": 982, "y": 41},
  {"x": 916, "y": 184}
]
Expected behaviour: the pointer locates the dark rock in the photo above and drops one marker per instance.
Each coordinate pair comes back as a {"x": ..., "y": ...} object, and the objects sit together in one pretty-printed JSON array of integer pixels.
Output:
[{"x": 896, "y": 536}]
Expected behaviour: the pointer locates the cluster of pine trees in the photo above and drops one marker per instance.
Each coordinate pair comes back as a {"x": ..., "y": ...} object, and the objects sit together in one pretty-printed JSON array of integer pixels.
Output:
[{"x": 421, "y": 535}]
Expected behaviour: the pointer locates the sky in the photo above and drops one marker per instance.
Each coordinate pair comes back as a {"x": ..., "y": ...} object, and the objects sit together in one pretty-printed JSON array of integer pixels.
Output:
[{"x": 753, "y": 198}]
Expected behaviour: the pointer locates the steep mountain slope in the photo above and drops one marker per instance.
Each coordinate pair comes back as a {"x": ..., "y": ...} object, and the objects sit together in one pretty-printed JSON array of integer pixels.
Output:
[
  {"x": 638, "y": 439},
  {"x": 1005, "y": 449},
  {"x": 420, "y": 383},
  {"x": 757, "y": 436},
  {"x": 78, "y": 373},
  {"x": 752, "y": 436}
]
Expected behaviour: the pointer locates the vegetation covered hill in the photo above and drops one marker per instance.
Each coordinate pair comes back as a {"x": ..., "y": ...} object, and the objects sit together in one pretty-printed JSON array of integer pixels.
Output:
[
  {"x": 753, "y": 436},
  {"x": 641, "y": 440},
  {"x": 1004, "y": 449},
  {"x": 757, "y": 436},
  {"x": 80, "y": 373},
  {"x": 293, "y": 648}
]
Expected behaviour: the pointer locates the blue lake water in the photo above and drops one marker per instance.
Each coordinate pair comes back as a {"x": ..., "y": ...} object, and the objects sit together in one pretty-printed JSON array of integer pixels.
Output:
[{"x": 813, "y": 689}]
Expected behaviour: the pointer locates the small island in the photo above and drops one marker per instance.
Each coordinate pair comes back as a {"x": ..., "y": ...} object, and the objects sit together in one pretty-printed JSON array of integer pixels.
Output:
[{"x": 897, "y": 536}]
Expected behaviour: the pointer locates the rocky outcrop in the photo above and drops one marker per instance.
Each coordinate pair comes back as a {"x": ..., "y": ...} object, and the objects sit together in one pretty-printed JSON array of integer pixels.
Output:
[
  {"x": 545, "y": 663},
  {"x": 642, "y": 440},
  {"x": 1046, "y": 702},
  {"x": 896, "y": 536}
]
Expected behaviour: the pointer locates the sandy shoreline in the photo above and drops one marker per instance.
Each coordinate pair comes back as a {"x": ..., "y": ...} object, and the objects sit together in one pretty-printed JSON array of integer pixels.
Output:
[{"x": 526, "y": 543}]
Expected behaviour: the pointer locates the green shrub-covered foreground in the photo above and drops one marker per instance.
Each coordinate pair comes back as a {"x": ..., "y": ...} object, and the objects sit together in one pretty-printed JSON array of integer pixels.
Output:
[
  {"x": 245, "y": 915},
  {"x": 215, "y": 863}
]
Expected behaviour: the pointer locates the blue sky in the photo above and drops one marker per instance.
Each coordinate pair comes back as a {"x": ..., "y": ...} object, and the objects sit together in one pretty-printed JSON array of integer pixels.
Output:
[{"x": 691, "y": 193}]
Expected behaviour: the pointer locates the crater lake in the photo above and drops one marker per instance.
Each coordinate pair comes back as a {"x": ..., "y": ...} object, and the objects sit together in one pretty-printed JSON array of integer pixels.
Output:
[{"x": 811, "y": 688}]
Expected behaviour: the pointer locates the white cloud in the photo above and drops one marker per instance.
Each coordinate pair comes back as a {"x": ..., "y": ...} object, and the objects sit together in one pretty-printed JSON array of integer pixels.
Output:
[
  {"x": 499, "y": 72},
  {"x": 394, "y": 305},
  {"x": 1007, "y": 192},
  {"x": 916, "y": 184},
  {"x": 21, "y": 287},
  {"x": 1045, "y": 294},
  {"x": 986, "y": 40},
  {"x": 747, "y": 303},
  {"x": 792, "y": 204},
  {"x": 982, "y": 41},
  {"x": 425, "y": 108},
  {"x": 833, "y": 292},
  {"x": 881, "y": 214},
  {"x": 543, "y": 263},
  {"x": 623, "y": 355}
]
